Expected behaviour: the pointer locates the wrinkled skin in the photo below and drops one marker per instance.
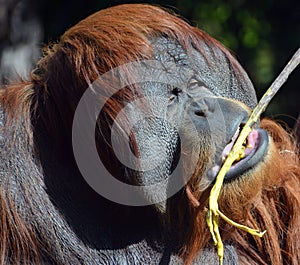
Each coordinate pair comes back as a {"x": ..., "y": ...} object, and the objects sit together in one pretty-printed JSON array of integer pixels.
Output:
[
  {"x": 204, "y": 111},
  {"x": 189, "y": 122},
  {"x": 172, "y": 125}
]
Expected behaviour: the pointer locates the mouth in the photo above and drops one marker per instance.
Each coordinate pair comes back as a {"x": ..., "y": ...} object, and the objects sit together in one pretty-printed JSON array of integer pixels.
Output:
[{"x": 254, "y": 149}]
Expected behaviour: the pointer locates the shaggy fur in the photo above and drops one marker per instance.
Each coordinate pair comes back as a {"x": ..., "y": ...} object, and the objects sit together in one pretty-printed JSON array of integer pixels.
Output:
[
  {"x": 266, "y": 198},
  {"x": 37, "y": 164}
]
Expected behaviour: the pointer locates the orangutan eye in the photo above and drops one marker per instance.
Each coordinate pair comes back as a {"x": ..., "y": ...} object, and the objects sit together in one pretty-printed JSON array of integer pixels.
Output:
[{"x": 175, "y": 92}]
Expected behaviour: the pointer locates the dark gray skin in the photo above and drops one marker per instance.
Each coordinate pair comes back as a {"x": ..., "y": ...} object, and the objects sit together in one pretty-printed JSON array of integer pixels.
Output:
[
  {"x": 208, "y": 99},
  {"x": 87, "y": 228}
]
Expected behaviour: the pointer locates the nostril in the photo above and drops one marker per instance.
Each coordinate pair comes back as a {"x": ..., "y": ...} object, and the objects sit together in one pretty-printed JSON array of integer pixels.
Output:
[{"x": 200, "y": 113}]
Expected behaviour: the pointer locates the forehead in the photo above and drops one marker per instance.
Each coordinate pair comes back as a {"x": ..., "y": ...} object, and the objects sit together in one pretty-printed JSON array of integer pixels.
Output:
[
  {"x": 210, "y": 66},
  {"x": 169, "y": 50}
]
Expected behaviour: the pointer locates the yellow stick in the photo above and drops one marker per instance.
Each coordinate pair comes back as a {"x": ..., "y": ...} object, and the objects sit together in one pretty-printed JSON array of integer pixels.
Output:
[{"x": 214, "y": 213}]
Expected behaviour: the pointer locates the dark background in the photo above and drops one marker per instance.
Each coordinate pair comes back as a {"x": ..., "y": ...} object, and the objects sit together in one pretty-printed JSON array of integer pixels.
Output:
[{"x": 263, "y": 35}]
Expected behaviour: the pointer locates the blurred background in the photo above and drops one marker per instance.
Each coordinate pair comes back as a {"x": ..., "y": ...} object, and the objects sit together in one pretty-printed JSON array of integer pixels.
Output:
[{"x": 263, "y": 35}]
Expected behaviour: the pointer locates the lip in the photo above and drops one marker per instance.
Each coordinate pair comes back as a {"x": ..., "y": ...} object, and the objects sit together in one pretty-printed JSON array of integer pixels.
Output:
[{"x": 259, "y": 140}]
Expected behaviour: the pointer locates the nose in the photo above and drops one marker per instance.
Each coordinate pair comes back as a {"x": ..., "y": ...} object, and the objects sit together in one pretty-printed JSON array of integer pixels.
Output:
[{"x": 222, "y": 114}]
